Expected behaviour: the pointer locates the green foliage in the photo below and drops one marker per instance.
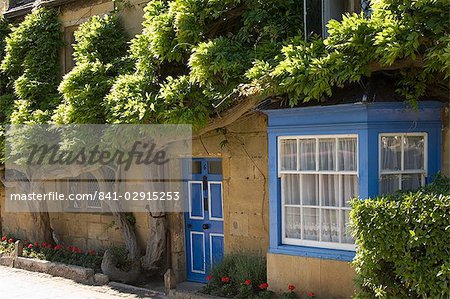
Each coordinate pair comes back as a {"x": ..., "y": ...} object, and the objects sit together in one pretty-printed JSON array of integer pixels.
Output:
[
  {"x": 227, "y": 279},
  {"x": 98, "y": 51},
  {"x": 196, "y": 53},
  {"x": 402, "y": 243},
  {"x": 68, "y": 255},
  {"x": 397, "y": 29},
  {"x": 129, "y": 101},
  {"x": 100, "y": 39},
  {"x": 31, "y": 59},
  {"x": 5, "y": 30}
]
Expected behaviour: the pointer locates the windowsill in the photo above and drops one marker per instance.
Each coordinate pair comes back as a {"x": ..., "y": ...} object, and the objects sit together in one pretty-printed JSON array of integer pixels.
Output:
[{"x": 314, "y": 252}]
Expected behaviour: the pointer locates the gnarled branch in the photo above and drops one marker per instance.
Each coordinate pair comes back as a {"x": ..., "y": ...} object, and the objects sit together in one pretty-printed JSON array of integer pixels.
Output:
[{"x": 399, "y": 64}]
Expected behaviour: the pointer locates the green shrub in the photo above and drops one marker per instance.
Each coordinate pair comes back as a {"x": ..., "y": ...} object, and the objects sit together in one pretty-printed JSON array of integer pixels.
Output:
[
  {"x": 239, "y": 275},
  {"x": 403, "y": 246}
]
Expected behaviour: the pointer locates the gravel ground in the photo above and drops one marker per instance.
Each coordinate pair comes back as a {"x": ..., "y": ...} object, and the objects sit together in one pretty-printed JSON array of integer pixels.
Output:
[{"x": 17, "y": 283}]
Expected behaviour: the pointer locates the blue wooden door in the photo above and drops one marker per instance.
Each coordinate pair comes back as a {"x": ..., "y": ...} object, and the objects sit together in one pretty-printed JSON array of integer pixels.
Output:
[{"x": 204, "y": 219}]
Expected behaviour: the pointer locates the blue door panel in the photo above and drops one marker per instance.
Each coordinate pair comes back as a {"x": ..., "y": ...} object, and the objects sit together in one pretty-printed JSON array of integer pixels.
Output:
[
  {"x": 204, "y": 219},
  {"x": 216, "y": 249},
  {"x": 198, "y": 253},
  {"x": 196, "y": 199},
  {"x": 215, "y": 200}
]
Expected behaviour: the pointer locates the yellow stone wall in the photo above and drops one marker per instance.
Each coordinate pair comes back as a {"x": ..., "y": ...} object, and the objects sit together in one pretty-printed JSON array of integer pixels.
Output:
[
  {"x": 243, "y": 148},
  {"x": 326, "y": 278}
]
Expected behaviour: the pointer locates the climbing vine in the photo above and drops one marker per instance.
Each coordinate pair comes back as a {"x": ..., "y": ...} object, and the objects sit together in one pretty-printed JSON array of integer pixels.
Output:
[
  {"x": 32, "y": 67},
  {"x": 98, "y": 52},
  {"x": 192, "y": 54},
  {"x": 408, "y": 38}
]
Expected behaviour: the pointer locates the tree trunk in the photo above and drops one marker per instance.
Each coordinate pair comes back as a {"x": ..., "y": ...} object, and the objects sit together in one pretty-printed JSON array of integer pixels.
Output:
[
  {"x": 42, "y": 229},
  {"x": 156, "y": 244},
  {"x": 129, "y": 236}
]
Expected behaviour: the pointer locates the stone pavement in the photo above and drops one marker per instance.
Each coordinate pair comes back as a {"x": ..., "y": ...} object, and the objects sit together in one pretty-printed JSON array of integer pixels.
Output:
[{"x": 17, "y": 283}]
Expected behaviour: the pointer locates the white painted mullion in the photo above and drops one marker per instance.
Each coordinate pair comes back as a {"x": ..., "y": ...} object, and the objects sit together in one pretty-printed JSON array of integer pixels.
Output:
[
  {"x": 283, "y": 214},
  {"x": 336, "y": 167},
  {"x": 341, "y": 199},
  {"x": 301, "y": 206},
  {"x": 320, "y": 205},
  {"x": 402, "y": 151},
  {"x": 317, "y": 154}
]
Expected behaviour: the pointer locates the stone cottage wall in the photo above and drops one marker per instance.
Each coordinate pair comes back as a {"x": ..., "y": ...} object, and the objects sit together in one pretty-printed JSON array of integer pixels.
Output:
[{"x": 243, "y": 148}]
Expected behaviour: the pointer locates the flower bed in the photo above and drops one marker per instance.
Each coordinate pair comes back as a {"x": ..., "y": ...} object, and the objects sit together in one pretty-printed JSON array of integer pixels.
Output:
[
  {"x": 71, "y": 255},
  {"x": 243, "y": 276}
]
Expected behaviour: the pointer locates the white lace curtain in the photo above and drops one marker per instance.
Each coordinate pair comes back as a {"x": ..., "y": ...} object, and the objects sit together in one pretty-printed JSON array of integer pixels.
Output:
[
  {"x": 315, "y": 156},
  {"x": 391, "y": 160}
]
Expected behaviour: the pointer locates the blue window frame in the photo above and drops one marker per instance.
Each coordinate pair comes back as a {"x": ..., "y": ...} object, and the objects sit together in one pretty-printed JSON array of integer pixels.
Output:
[{"x": 368, "y": 122}]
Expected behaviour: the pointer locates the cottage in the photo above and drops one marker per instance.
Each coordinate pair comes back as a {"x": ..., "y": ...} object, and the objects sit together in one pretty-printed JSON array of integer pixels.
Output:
[{"x": 277, "y": 179}]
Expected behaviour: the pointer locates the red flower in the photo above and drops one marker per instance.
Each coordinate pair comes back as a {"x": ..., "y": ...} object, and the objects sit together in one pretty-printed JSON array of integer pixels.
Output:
[
  {"x": 310, "y": 295},
  {"x": 291, "y": 287},
  {"x": 44, "y": 244},
  {"x": 36, "y": 244},
  {"x": 10, "y": 240},
  {"x": 69, "y": 248},
  {"x": 264, "y": 286},
  {"x": 225, "y": 279},
  {"x": 30, "y": 246},
  {"x": 58, "y": 247},
  {"x": 80, "y": 250},
  {"x": 209, "y": 277},
  {"x": 49, "y": 246},
  {"x": 4, "y": 238},
  {"x": 91, "y": 252},
  {"x": 247, "y": 282}
]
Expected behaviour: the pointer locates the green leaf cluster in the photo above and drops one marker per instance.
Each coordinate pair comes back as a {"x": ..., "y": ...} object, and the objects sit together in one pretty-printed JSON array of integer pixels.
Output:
[
  {"x": 101, "y": 44},
  {"x": 31, "y": 65},
  {"x": 417, "y": 30},
  {"x": 402, "y": 243},
  {"x": 238, "y": 268},
  {"x": 195, "y": 53}
]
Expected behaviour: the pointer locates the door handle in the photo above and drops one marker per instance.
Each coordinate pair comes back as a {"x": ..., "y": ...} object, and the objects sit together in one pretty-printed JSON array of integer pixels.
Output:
[
  {"x": 205, "y": 226},
  {"x": 189, "y": 225}
]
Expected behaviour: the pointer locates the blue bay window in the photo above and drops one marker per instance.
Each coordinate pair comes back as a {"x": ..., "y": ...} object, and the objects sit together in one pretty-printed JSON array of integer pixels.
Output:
[{"x": 321, "y": 157}]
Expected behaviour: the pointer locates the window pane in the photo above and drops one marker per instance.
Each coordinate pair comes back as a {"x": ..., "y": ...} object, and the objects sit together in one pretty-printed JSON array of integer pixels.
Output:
[
  {"x": 307, "y": 154},
  {"x": 311, "y": 224},
  {"x": 309, "y": 189},
  {"x": 389, "y": 183},
  {"x": 330, "y": 225},
  {"x": 330, "y": 190},
  {"x": 288, "y": 154},
  {"x": 347, "y": 156},
  {"x": 291, "y": 189},
  {"x": 391, "y": 155},
  {"x": 215, "y": 167},
  {"x": 349, "y": 188},
  {"x": 411, "y": 181},
  {"x": 345, "y": 230},
  {"x": 414, "y": 152},
  {"x": 292, "y": 223},
  {"x": 196, "y": 167},
  {"x": 327, "y": 154}
]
